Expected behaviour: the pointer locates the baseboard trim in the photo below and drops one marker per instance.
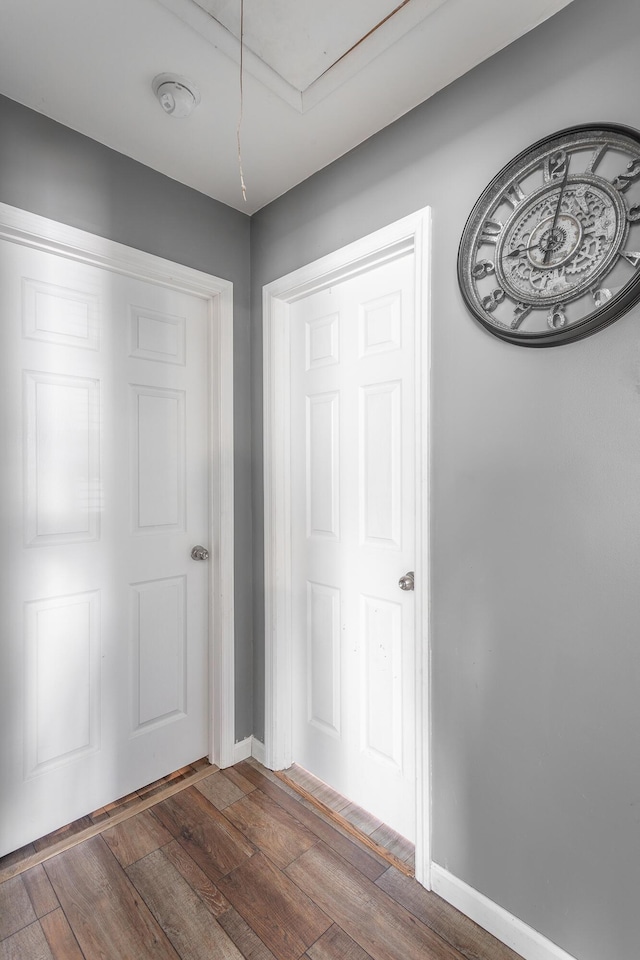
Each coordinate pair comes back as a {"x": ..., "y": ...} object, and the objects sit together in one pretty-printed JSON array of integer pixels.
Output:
[
  {"x": 242, "y": 750},
  {"x": 495, "y": 919},
  {"x": 249, "y": 747}
]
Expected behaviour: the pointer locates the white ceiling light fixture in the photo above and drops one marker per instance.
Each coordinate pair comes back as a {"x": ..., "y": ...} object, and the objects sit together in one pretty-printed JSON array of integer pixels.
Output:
[{"x": 177, "y": 96}]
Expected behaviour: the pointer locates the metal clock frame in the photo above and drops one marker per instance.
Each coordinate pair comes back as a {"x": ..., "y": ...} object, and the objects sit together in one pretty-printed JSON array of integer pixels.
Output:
[{"x": 518, "y": 168}]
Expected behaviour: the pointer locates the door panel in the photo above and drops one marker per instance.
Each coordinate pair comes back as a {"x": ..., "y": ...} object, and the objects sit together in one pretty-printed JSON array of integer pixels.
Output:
[
  {"x": 353, "y": 521},
  {"x": 104, "y": 634},
  {"x": 157, "y": 458},
  {"x": 323, "y": 657},
  {"x": 62, "y": 716},
  {"x": 62, "y": 454},
  {"x": 159, "y": 651}
]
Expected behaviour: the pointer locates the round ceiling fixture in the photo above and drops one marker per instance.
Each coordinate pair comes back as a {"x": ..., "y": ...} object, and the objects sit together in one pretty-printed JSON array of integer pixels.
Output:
[{"x": 176, "y": 95}]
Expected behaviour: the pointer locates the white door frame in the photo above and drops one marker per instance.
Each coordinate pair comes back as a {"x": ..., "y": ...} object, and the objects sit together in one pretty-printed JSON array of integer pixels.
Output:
[
  {"x": 19, "y": 226},
  {"x": 409, "y": 236}
]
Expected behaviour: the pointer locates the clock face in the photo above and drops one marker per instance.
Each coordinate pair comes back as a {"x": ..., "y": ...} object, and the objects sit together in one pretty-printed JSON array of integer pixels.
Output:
[{"x": 551, "y": 250}]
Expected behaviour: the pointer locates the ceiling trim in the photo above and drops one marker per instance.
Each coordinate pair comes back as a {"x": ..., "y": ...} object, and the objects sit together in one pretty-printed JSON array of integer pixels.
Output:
[{"x": 403, "y": 20}]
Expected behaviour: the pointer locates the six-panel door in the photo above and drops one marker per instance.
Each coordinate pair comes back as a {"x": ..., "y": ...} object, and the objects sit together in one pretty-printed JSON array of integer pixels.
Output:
[
  {"x": 103, "y": 651},
  {"x": 353, "y": 530}
]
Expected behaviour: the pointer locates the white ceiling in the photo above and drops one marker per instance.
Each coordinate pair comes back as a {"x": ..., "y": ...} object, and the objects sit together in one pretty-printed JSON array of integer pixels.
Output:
[{"x": 320, "y": 76}]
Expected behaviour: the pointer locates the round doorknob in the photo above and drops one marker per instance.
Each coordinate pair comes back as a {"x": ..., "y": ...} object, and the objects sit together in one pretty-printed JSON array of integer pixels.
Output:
[
  {"x": 199, "y": 553},
  {"x": 406, "y": 582}
]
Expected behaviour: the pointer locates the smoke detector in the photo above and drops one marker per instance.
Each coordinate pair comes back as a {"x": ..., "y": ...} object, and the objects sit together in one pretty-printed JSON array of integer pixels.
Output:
[{"x": 176, "y": 95}]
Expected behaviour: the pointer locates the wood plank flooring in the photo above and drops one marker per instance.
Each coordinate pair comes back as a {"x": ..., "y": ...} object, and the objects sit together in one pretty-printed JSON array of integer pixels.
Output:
[
  {"x": 235, "y": 866},
  {"x": 377, "y": 836},
  {"x": 90, "y": 826}
]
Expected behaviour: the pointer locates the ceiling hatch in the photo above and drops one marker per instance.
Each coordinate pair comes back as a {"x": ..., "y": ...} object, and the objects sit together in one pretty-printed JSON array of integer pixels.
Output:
[{"x": 302, "y": 49}]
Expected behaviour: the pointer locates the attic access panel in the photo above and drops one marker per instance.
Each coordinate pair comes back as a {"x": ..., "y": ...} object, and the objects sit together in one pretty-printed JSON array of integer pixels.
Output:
[{"x": 301, "y": 39}]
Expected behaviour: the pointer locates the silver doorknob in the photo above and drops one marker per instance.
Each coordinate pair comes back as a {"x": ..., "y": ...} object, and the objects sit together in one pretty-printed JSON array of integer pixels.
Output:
[
  {"x": 406, "y": 582},
  {"x": 199, "y": 553}
]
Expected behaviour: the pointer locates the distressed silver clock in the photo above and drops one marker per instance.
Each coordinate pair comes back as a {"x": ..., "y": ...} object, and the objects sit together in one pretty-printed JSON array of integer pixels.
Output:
[{"x": 551, "y": 250}]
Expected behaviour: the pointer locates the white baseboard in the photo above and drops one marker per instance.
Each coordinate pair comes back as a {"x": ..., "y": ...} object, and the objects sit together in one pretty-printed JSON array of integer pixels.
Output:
[
  {"x": 250, "y": 747},
  {"x": 523, "y": 939},
  {"x": 257, "y": 750},
  {"x": 242, "y": 750}
]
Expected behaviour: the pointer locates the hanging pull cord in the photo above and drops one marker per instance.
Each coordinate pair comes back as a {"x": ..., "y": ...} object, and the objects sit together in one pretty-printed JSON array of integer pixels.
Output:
[{"x": 242, "y": 183}]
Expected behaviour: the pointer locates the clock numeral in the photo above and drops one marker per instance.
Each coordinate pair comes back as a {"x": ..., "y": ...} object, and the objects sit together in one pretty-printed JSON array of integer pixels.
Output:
[
  {"x": 601, "y": 296},
  {"x": 520, "y": 311},
  {"x": 556, "y": 165},
  {"x": 633, "y": 213},
  {"x": 633, "y": 258},
  {"x": 495, "y": 298},
  {"x": 482, "y": 269},
  {"x": 491, "y": 231},
  {"x": 624, "y": 181},
  {"x": 556, "y": 317},
  {"x": 596, "y": 157},
  {"x": 514, "y": 195}
]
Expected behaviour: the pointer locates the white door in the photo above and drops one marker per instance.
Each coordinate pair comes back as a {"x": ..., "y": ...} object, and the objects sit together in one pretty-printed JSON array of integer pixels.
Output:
[
  {"x": 104, "y": 467},
  {"x": 353, "y": 530}
]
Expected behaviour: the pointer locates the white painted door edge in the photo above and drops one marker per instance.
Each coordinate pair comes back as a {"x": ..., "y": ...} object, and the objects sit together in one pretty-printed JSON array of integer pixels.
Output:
[
  {"x": 411, "y": 235},
  {"x": 495, "y": 919},
  {"x": 20, "y": 226}
]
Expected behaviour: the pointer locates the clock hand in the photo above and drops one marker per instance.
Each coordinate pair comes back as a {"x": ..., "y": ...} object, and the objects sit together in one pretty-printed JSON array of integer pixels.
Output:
[
  {"x": 556, "y": 214},
  {"x": 520, "y": 250}
]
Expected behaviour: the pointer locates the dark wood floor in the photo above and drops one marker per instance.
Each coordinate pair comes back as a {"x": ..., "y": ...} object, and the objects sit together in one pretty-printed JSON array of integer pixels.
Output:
[
  {"x": 237, "y": 865},
  {"x": 354, "y": 818}
]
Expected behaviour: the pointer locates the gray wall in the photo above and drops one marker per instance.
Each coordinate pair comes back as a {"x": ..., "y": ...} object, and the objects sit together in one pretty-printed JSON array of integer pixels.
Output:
[
  {"x": 53, "y": 171},
  {"x": 535, "y": 501}
]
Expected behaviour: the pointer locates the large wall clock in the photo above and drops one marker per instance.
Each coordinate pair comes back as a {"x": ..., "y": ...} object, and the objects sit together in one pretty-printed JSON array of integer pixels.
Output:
[{"x": 551, "y": 250}]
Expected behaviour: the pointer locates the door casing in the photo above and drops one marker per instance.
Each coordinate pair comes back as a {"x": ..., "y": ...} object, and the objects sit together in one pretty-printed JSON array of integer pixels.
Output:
[
  {"x": 409, "y": 236},
  {"x": 21, "y": 227}
]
